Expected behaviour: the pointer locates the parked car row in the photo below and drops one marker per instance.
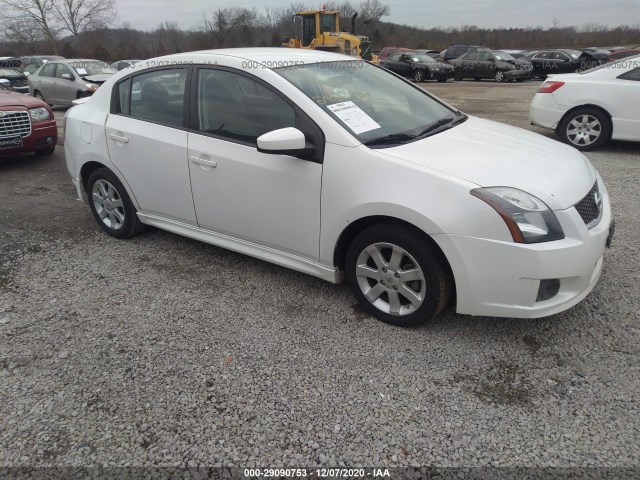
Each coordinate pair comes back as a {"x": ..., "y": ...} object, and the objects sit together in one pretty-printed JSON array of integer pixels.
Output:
[{"x": 478, "y": 62}]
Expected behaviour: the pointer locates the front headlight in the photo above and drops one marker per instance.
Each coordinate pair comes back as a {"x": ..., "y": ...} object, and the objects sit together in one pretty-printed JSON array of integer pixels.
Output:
[
  {"x": 39, "y": 114},
  {"x": 528, "y": 218},
  {"x": 91, "y": 86}
]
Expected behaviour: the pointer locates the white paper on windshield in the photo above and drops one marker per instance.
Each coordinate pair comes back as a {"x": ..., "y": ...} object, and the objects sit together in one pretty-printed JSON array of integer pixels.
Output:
[
  {"x": 353, "y": 117},
  {"x": 81, "y": 71}
]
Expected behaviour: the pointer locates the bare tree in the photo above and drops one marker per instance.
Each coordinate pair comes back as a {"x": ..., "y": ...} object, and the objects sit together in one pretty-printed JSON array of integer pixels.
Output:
[
  {"x": 77, "y": 16},
  {"x": 220, "y": 23},
  {"x": 36, "y": 16},
  {"x": 371, "y": 11}
]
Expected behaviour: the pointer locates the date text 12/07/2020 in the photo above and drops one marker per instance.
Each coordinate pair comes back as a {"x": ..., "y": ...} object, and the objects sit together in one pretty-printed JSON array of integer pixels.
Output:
[{"x": 316, "y": 473}]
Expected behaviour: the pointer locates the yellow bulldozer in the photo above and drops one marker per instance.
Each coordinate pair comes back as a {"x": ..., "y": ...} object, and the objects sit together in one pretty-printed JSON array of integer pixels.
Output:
[{"x": 320, "y": 30}]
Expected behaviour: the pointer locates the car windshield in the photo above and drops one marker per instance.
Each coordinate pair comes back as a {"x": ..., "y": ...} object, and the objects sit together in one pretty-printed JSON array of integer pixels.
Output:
[
  {"x": 92, "y": 68},
  {"x": 8, "y": 72},
  {"x": 369, "y": 102},
  {"x": 421, "y": 57},
  {"x": 503, "y": 56}
]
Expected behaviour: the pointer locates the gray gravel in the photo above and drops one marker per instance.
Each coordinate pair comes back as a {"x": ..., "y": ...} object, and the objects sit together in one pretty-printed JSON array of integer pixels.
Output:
[{"x": 162, "y": 351}]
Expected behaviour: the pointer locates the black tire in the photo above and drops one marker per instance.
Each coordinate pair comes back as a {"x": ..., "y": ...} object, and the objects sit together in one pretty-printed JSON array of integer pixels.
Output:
[
  {"x": 46, "y": 151},
  {"x": 442, "y": 80},
  {"x": 39, "y": 96},
  {"x": 566, "y": 128},
  {"x": 477, "y": 79},
  {"x": 435, "y": 284},
  {"x": 419, "y": 75},
  {"x": 131, "y": 224},
  {"x": 458, "y": 76}
]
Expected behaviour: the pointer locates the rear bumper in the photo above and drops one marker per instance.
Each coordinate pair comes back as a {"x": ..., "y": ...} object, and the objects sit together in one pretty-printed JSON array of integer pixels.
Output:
[{"x": 545, "y": 112}]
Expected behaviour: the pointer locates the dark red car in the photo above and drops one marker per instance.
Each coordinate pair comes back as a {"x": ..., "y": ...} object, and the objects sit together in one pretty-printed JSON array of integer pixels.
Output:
[{"x": 26, "y": 124}]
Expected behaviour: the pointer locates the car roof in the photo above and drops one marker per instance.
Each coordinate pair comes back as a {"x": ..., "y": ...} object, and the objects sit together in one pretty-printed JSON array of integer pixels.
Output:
[{"x": 273, "y": 57}]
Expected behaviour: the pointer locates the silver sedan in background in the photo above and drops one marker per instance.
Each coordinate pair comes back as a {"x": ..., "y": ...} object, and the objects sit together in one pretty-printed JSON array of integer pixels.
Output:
[{"x": 60, "y": 82}]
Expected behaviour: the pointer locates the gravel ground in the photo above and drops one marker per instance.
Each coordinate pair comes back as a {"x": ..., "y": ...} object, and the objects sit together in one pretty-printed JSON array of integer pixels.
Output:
[{"x": 162, "y": 351}]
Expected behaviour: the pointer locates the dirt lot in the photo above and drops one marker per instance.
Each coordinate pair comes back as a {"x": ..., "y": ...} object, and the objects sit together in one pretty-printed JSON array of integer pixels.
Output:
[{"x": 162, "y": 351}]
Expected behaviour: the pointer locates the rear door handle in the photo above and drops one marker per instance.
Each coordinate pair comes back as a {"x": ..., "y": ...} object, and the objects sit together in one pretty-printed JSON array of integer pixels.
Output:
[
  {"x": 203, "y": 161},
  {"x": 118, "y": 138}
]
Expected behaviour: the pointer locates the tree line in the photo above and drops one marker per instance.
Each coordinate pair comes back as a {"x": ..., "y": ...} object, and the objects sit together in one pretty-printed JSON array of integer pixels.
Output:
[{"x": 90, "y": 28}]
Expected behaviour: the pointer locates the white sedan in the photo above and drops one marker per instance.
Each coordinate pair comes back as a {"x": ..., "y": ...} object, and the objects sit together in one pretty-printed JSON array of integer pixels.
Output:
[
  {"x": 337, "y": 168},
  {"x": 589, "y": 108}
]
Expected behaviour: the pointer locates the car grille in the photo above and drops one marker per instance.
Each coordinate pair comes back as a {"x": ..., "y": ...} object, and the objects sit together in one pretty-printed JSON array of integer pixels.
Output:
[
  {"x": 590, "y": 207},
  {"x": 13, "y": 124}
]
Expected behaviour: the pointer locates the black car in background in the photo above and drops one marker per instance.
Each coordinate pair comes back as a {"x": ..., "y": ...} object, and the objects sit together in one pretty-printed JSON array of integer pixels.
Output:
[
  {"x": 550, "y": 62},
  {"x": 17, "y": 81},
  {"x": 417, "y": 66},
  {"x": 499, "y": 66},
  {"x": 455, "y": 51}
]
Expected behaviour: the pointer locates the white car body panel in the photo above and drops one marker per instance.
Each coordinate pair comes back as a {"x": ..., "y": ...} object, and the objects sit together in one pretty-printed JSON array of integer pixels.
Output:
[
  {"x": 620, "y": 98},
  {"x": 276, "y": 197},
  {"x": 155, "y": 162},
  {"x": 292, "y": 212}
]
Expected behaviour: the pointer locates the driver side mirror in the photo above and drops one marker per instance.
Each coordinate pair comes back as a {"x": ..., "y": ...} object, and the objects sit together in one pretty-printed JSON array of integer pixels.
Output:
[{"x": 285, "y": 141}]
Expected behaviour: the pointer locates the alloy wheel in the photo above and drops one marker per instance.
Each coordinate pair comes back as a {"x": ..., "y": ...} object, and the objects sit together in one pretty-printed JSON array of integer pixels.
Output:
[
  {"x": 390, "y": 279},
  {"x": 108, "y": 204},
  {"x": 584, "y": 130}
]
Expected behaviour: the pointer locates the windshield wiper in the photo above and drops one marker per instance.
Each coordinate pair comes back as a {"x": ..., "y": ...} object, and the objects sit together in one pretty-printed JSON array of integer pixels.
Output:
[
  {"x": 440, "y": 125},
  {"x": 392, "y": 139}
]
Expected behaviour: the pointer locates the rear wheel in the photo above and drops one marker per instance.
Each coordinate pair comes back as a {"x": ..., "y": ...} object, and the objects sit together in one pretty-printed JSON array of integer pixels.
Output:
[
  {"x": 397, "y": 276},
  {"x": 111, "y": 206},
  {"x": 585, "y": 128}
]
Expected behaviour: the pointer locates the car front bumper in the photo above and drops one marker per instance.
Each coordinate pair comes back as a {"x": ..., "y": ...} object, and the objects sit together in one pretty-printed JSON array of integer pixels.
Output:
[
  {"x": 502, "y": 279},
  {"x": 44, "y": 135},
  {"x": 518, "y": 74}
]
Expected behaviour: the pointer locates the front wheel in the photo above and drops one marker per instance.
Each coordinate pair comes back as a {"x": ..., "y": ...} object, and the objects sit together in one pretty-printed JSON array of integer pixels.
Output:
[
  {"x": 397, "y": 276},
  {"x": 39, "y": 96},
  {"x": 458, "y": 76},
  {"x": 419, "y": 76},
  {"x": 500, "y": 76},
  {"x": 585, "y": 129},
  {"x": 111, "y": 206}
]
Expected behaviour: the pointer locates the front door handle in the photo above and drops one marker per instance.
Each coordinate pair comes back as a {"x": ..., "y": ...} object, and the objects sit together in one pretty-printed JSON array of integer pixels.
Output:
[
  {"x": 118, "y": 138},
  {"x": 203, "y": 161}
]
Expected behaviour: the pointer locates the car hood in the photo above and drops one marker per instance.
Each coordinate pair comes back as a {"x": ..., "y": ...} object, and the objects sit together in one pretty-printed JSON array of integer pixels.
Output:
[
  {"x": 491, "y": 154},
  {"x": 11, "y": 99},
  {"x": 100, "y": 79}
]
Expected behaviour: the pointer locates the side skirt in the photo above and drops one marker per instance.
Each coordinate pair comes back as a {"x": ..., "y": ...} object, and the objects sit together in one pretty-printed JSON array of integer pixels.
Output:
[{"x": 268, "y": 254}]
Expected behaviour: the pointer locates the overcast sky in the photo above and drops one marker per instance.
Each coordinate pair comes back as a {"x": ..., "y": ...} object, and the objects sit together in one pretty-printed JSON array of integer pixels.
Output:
[{"x": 147, "y": 14}]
